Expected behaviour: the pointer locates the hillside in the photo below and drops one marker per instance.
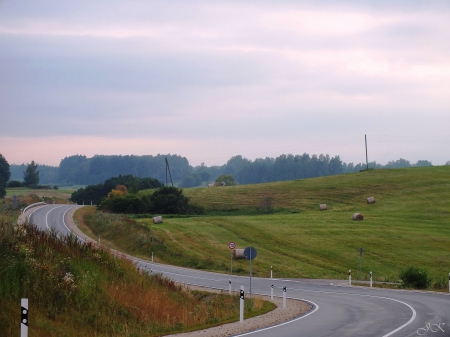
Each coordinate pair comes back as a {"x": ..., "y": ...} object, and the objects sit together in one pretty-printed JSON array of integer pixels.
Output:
[
  {"x": 394, "y": 190},
  {"x": 408, "y": 225}
]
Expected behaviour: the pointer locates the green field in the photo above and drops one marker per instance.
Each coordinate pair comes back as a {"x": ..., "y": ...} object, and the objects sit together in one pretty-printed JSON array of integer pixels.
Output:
[
  {"x": 46, "y": 193},
  {"x": 408, "y": 225}
]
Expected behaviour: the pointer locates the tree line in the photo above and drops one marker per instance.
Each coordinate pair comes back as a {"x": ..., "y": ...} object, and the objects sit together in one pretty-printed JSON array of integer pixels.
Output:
[{"x": 80, "y": 170}]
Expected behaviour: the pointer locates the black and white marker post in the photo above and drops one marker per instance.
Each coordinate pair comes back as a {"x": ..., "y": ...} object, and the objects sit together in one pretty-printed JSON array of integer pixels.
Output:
[
  {"x": 449, "y": 282},
  {"x": 284, "y": 297},
  {"x": 349, "y": 277},
  {"x": 229, "y": 286},
  {"x": 24, "y": 317},
  {"x": 271, "y": 293},
  {"x": 371, "y": 279},
  {"x": 241, "y": 305}
]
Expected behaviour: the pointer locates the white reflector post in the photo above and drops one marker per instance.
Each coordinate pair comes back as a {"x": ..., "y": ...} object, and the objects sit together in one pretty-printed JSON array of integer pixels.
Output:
[
  {"x": 284, "y": 297},
  {"x": 349, "y": 277},
  {"x": 271, "y": 292},
  {"x": 241, "y": 304},
  {"x": 371, "y": 279},
  {"x": 24, "y": 317},
  {"x": 229, "y": 286}
]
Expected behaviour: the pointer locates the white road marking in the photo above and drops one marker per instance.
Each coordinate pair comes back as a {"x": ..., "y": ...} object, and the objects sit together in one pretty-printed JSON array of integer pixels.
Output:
[
  {"x": 46, "y": 216},
  {"x": 291, "y": 321}
]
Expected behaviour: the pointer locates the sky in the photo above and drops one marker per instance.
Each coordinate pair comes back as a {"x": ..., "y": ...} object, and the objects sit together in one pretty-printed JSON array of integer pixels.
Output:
[{"x": 209, "y": 80}]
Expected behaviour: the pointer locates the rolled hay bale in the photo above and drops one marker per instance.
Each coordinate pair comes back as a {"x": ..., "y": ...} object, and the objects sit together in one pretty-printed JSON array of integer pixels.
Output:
[
  {"x": 370, "y": 200},
  {"x": 238, "y": 254},
  {"x": 157, "y": 219},
  {"x": 358, "y": 217},
  {"x": 323, "y": 207}
]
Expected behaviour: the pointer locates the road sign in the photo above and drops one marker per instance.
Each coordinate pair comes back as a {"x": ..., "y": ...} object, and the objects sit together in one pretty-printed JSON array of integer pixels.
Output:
[
  {"x": 250, "y": 253},
  {"x": 231, "y": 245}
]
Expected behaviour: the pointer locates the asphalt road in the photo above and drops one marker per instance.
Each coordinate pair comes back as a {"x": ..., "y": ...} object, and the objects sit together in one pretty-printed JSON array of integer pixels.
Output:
[{"x": 338, "y": 310}]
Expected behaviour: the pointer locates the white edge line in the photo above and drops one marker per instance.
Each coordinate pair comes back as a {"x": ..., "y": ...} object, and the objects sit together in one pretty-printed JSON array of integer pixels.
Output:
[
  {"x": 407, "y": 323},
  {"x": 64, "y": 223},
  {"x": 284, "y": 323}
]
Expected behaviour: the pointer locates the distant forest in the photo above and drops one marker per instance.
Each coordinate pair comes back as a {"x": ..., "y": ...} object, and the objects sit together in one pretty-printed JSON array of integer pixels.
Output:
[{"x": 80, "y": 170}]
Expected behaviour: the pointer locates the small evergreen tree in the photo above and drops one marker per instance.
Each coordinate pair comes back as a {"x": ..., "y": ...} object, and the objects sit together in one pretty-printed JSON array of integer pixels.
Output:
[
  {"x": 5, "y": 173},
  {"x": 31, "y": 174}
]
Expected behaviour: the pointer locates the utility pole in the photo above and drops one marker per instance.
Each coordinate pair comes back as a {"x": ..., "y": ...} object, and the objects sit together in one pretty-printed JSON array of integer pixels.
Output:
[
  {"x": 367, "y": 160},
  {"x": 168, "y": 170}
]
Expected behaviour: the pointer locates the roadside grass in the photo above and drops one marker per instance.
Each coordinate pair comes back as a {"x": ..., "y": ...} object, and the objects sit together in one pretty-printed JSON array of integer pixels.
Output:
[
  {"x": 409, "y": 225},
  {"x": 77, "y": 289}
]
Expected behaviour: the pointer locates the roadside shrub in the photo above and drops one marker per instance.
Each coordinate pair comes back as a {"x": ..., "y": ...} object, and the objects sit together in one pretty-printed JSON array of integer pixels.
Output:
[
  {"x": 129, "y": 204},
  {"x": 414, "y": 277},
  {"x": 170, "y": 200},
  {"x": 15, "y": 183}
]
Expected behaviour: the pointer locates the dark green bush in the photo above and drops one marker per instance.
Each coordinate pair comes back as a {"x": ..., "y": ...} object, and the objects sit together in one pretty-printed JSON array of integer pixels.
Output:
[
  {"x": 170, "y": 200},
  {"x": 414, "y": 277},
  {"x": 129, "y": 204},
  {"x": 15, "y": 183}
]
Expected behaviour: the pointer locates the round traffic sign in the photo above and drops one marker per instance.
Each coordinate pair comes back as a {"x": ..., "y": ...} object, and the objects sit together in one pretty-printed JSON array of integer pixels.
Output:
[
  {"x": 250, "y": 253},
  {"x": 231, "y": 245}
]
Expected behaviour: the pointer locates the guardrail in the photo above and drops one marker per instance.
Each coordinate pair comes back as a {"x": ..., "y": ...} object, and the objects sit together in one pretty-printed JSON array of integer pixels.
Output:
[{"x": 33, "y": 205}]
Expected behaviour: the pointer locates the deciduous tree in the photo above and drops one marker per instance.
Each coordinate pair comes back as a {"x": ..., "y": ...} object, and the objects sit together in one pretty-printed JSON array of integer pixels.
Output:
[{"x": 226, "y": 179}]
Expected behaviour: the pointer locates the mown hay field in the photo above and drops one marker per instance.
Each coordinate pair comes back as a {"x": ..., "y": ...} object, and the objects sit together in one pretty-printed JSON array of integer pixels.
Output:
[{"x": 409, "y": 224}]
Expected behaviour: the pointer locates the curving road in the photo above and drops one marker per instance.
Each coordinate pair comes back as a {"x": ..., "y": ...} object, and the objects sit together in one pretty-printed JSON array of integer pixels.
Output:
[{"x": 338, "y": 310}]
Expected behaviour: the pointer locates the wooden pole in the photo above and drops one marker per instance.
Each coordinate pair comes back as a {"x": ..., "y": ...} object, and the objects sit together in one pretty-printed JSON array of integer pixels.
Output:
[{"x": 367, "y": 158}]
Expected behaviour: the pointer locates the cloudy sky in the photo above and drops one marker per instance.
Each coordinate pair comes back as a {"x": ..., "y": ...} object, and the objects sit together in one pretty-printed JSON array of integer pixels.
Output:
[{"x": 211, "y": 79}]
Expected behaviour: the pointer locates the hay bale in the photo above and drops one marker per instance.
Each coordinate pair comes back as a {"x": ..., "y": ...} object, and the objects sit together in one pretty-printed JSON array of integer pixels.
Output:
[
  {"x": 323, "y": 207},
  {"x": 157, "y": 219},
  {"x": 370, "y": 200},
  {"x": 358, "y": 217},
  {"x": 238, "y": 254}
]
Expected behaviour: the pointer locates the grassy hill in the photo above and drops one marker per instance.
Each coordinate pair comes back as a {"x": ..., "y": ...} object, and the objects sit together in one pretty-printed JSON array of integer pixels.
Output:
[{"x": 408, "y": 225}]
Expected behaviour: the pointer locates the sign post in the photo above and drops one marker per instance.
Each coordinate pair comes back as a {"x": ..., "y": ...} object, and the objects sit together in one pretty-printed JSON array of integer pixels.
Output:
[
  {"x": 360, "y": 261},
  {"x": 250, "y": 253},
  {"x": 232, "y": 246}
]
